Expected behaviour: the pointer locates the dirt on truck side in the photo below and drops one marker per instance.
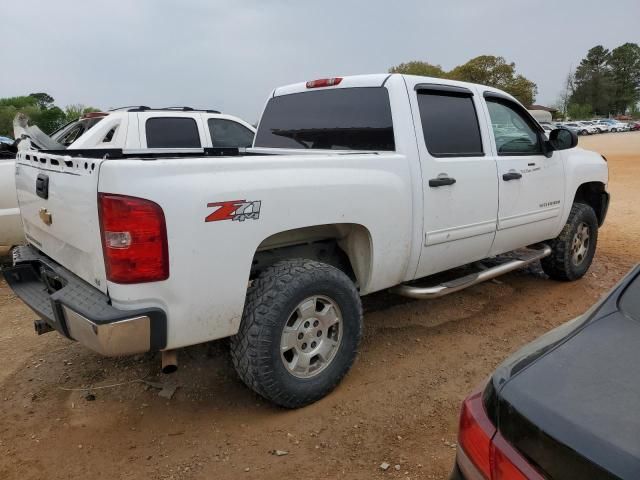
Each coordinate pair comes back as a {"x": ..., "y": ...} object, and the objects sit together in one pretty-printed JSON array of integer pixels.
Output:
[{"x": 66, "y": 412}]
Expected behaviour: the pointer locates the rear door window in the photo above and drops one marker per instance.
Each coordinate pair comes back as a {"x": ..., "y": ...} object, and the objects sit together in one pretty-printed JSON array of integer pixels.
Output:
[
  {"x": 449, "y": 123},
  {"x": 338, "y": 119},
  {"x": 172, "y": 132},
  {"x": 227, "y": 133}
]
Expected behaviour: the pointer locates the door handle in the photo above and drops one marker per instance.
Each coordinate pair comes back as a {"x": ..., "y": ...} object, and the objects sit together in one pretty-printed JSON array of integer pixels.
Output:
[
  {"x": 511, "y": 176},
  {"x": 441, "y": 181}
]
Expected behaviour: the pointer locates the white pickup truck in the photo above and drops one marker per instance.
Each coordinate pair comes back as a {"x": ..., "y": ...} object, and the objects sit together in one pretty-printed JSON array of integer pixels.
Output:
[
  {"x": 353, "y": 185},
  {"x": 120, "y": 129}
]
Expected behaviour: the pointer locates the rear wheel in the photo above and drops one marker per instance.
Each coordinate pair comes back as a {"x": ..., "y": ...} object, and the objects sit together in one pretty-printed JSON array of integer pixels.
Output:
[
  {"x": 573, "y": 250},
  {"x": 300, "y": 332},
  {"x": 584, "y": 132}
]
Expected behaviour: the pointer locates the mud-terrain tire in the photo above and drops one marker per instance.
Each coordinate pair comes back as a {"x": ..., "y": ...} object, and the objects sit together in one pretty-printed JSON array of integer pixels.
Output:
[
  {"x": 297, "y": 303},
  {"x": 573, "y": 250}
]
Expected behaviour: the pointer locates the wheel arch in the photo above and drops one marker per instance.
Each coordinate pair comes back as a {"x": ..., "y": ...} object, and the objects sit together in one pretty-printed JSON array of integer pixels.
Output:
[
  {"x": 347, "y": 246},
  {"x": 595, "y": 195}
]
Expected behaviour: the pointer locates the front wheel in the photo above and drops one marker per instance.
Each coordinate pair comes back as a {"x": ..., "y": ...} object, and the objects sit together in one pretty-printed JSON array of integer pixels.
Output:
[
  {"x": 573, "y": 250},
  {"x": 300, "y": 332}
]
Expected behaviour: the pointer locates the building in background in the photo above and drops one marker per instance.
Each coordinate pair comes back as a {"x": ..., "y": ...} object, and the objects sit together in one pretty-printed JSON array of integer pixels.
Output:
[{"x": 541, "y": 113}]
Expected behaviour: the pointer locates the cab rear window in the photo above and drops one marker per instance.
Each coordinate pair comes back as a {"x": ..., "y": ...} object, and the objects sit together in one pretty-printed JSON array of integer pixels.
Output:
[{"x": 335, "y": 119}]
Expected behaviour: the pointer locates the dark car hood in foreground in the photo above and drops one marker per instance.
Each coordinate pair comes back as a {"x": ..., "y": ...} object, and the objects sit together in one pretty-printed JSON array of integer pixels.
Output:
[{"x": 570, "y": 401}]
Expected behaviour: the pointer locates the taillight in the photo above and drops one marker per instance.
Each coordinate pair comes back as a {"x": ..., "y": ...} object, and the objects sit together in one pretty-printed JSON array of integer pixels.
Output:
[
  {"x": 324, "y": 82},
  {"x": 484, "y": 451},
  {"x": 476, "y": 432},
  {"x": 134, "y": 239}
]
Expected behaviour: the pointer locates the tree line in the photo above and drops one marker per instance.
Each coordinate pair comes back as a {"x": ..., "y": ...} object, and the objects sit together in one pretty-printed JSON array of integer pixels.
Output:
[
  {"x": 486, "y": 70},
  {"x": 605, "y": 83},
  {"x": 41, "y": 110}
]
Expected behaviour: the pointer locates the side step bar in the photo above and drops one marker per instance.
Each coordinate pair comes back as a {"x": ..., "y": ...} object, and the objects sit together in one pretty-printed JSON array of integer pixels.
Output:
[{"x": 472, "y": 279}]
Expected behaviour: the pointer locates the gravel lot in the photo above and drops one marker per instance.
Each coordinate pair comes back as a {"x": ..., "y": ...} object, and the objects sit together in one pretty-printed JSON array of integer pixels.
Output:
[{"x": 68, "y": 413}]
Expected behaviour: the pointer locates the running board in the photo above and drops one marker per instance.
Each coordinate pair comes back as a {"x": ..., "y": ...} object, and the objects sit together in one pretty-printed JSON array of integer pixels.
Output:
[{"x": 461, "y": 283}]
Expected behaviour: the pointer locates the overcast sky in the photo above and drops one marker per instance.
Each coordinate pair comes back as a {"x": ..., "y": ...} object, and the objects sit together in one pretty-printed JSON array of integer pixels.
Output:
[{"x": 230, "y": 54}]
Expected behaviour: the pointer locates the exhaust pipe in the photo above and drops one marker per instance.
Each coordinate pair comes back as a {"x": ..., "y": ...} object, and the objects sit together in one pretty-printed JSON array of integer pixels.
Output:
[
  {"x": 41, "y": 327},
  {"x": 169, "y": 361}
]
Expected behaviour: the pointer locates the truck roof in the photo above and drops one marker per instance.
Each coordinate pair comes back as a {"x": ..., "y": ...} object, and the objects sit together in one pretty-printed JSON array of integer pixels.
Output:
[
  {"x": 144, "y": 108},
  {"x": 377, "y": 80}
]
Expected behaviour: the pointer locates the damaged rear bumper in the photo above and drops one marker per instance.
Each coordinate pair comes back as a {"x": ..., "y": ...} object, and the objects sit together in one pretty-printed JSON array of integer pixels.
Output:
[{"x": 81, "y": 312}]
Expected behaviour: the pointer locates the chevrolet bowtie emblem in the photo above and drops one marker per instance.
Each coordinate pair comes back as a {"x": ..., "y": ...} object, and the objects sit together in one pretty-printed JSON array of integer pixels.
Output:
[{"x": 45, "y": 216}]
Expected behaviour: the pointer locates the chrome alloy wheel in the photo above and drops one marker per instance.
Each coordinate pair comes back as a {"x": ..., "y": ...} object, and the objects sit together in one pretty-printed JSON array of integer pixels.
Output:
[
  {"x": 580, "y": 244},
  {"x": 311, "y": 337}
]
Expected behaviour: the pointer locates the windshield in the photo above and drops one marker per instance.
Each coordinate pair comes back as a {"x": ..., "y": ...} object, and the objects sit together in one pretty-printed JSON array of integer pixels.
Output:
[{"x": 337, "y": 119}]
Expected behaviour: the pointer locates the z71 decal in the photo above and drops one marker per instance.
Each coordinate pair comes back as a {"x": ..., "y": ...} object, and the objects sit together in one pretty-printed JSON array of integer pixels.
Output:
[{"x": 237, "y": 210}]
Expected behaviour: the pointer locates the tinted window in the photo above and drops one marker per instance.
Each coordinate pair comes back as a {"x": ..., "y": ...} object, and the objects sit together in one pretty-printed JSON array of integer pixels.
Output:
[
  {"x": 172, "y": 132},
  {"x": 342, "y": 119},
  {"x": 449, "y": 124},
  {"x": 513, "y": 132},
  {"x": 227, "y": 133}
]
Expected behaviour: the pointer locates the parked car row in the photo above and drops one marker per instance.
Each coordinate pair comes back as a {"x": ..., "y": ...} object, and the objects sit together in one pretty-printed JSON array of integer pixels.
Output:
[{"x": 591, "y": 127}]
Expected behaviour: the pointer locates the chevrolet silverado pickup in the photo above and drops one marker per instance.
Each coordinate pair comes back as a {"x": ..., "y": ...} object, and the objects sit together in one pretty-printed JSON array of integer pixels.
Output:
[{"x": 353, "y": 185}]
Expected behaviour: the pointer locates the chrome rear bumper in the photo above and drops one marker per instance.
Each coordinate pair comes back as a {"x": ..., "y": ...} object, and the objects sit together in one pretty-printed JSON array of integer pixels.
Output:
[{"x": 79, "y": 311}]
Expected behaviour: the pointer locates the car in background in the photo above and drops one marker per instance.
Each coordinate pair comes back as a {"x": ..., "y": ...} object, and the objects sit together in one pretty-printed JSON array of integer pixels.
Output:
[
  {"x": 614, "y": 125},
  {"x": 6, "y": 140},
  {"x": 590, "y": 127},
  {"x": 603, "y": 126},
  {"x": 633, "y": 126},
  {"x": 547, "y": 129},
  {"x": 574, "y": 127},
  {"x": 564, "y": 406}
]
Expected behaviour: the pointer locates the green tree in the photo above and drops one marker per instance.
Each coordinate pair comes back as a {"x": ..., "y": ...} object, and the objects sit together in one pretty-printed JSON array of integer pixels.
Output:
[
  {"x": 419, "y": 68},
  {"x": 577, "y": 111},
  {"x": 593, "y": 81},
  {"x": 48, "y": 119},
  {"x": 485, "y": 69},
  {"x": 18, "y": 102},
  {"x": 496, "y": 72},
  {"x": 75, "y": 111},
  {"x": 41, "y": 110},
  {"x": 44, "y": 100},
  {"x": 624, "y": 63}
]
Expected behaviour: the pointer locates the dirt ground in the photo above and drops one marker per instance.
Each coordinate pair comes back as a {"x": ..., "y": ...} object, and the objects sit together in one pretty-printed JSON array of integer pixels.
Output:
[{"x": 68, "y": 413}]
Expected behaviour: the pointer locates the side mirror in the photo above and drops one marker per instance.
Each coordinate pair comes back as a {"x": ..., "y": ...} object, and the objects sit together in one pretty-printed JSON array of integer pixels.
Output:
[{"x": 563, "y": 139}]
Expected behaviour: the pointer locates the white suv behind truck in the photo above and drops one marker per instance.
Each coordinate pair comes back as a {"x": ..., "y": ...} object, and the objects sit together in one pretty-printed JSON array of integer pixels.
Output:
[
  {"x": 181, "y": 129},
  {"x": 354, "y": 185}
]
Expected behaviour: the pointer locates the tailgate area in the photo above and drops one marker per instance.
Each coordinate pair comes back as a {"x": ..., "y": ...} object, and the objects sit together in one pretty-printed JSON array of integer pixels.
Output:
[{"x": 57, "y": 195}]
